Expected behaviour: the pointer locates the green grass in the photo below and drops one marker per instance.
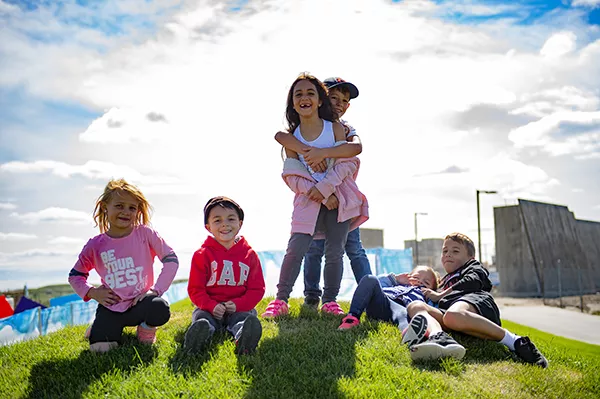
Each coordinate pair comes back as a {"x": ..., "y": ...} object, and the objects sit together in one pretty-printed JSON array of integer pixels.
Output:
[{"x": 300, "y": 356}]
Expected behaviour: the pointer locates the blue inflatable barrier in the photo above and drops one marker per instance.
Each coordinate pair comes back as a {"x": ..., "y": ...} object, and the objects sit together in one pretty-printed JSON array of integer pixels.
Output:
[{"x": 71, "y": 310}]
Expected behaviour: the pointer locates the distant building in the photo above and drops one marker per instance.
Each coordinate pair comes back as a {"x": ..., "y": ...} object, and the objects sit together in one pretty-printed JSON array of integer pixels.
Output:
[
  {"x": 543, "y": 251},
  {"x": 430, "y": 250},
  {"x": 371, "y": 238}
]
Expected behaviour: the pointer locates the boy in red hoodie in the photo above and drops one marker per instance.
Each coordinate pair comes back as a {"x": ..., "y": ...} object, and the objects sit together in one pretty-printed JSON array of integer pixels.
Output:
[{"x": 226, "y": 281}]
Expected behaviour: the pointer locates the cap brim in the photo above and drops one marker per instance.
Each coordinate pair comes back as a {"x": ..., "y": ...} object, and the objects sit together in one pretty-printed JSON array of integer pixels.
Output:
[{"x": 351, "y": 88}]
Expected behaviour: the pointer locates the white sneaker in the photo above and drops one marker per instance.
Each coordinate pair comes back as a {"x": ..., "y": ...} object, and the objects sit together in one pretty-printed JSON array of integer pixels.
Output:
[{"x": 416, "y": 332}]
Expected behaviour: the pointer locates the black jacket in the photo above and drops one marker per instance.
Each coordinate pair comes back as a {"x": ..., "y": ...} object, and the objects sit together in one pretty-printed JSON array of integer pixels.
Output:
[{"x": 471, "y": 277}]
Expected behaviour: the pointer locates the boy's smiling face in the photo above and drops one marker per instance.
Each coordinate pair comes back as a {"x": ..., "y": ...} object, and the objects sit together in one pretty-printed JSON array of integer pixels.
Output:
[
  {"x": 224, "y": 224},
  {"x": 339, "y": 101},
  {"x": 454, "y": 255}
]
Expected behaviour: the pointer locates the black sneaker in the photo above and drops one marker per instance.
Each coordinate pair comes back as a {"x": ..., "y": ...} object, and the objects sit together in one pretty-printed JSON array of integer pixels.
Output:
[
  {"x": 416, "y": 332},
  {"x": 249, "y": 337},
  {"x": 197, "y": 336},
  {"x": 526, "y": 351},
  {"x": 437, "y": 346},
  {"x": 312, "y": 302}
]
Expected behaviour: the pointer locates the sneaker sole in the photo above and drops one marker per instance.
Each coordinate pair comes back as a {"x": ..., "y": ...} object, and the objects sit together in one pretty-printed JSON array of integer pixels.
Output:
[
  {"x": 416, "y": 331},
  {"x": 433, "y": 351},
  {"x": 197, "y": 336},
  {"x": 251, "y": 333},
  {"x": 349, "y": 327}
]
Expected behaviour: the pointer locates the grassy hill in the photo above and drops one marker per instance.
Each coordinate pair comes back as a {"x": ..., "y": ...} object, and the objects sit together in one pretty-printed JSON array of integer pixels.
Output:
[{"x": 300, "y": 356}]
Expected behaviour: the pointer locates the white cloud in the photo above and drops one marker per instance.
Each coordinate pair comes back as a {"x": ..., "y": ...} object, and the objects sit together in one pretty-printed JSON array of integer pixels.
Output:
[
  {"x": 7, "y": 206},
  {"x": 553, "y": 100},
  {"x": 584, "y": 3},
  {"x": 189, "y": 110},
  {"x": 559, "y": 44},
  {"x": 54, "y": 214},
  {"x": 66, "y": 241},
  {"x": 127, "y": 125},
  {"x": 16, "y": 236},
  {"x": 561, "y": 133},
  {"x": 91, "y": 169}
]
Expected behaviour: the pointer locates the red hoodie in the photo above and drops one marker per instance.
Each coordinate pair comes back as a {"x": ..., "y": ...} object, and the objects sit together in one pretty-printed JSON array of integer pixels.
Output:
[{"x": 219, "y": 275}]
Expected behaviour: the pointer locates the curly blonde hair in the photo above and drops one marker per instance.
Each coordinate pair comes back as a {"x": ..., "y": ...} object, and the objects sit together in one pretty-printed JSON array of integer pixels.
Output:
[{"x": 116, "y": 187}]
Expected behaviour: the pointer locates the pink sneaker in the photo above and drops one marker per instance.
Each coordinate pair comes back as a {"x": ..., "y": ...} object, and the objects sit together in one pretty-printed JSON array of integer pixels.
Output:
[
  {"x": 348, "y": 322},
  {"x": 146, "y": 335},
  {"x": 332, "y": 307},
  {"x": 276, "y": 308}
]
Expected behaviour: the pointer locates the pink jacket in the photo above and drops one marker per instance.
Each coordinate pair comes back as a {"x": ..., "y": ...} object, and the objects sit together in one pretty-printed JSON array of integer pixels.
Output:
[{"x": 339, "y": 181}]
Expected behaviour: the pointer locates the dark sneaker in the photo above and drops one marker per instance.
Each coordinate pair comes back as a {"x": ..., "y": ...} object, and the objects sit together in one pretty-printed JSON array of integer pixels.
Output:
[
  {"x": 416, "y": 332},
  {"x": 526, "y": 351},
  {"x": 312, "y": 302},
  {"x": 249, "y": 337},
  {"x": 437, "y": 346},
  {"x": 197, "y": 336}
]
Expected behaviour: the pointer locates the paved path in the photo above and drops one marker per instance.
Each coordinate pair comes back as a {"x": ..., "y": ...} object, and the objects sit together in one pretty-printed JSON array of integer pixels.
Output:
[{"x": 565, "y": 323}]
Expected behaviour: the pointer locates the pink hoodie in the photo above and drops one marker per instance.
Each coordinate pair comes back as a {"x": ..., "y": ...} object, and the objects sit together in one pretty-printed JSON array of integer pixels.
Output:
[{"x": 339, "y": 181}]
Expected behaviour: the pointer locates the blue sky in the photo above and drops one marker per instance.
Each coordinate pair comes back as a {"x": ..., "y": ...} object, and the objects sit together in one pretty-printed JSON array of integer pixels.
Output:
[{"x": 455, "y": 96}]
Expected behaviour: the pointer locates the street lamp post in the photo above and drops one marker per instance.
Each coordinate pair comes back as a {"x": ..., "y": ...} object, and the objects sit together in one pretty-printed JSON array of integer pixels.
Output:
[
  {"x": 479, "y": 220},
  {"x": 417, "y": 239}
]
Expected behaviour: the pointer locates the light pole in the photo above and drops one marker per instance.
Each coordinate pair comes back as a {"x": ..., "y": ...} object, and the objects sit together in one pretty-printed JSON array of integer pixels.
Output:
[
  {"x": 417, "y": 239},
  {"x": 479, "y": 220}
]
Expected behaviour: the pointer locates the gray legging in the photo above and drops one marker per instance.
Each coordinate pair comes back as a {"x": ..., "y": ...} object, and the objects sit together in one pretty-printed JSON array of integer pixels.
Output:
[
  {"x": 232, "y": 322},
  {"x": 108, "y": 326},
  {"x": 335, "y": 240}
]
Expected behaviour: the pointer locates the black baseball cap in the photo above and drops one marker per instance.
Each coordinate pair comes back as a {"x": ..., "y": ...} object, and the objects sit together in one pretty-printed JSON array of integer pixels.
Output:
[
  {"x": 331, "y": 83},
  {"x": 223, "y": 202}
]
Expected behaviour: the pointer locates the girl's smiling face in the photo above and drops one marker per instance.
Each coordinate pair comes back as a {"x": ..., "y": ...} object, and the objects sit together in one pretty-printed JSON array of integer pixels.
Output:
[
  {"x": 121, "y": 212},
  {"x": 305, "y": 98}
]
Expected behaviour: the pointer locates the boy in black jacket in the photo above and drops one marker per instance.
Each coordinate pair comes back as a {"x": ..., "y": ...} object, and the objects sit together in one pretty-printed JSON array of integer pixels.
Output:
[{"x": 465, "y": 305}]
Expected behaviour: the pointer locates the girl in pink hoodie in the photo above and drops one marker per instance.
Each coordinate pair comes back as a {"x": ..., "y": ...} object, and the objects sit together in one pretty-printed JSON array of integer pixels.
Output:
[
  {"x": 123, "y": 255},
  {"x": 326, "y": 202}
]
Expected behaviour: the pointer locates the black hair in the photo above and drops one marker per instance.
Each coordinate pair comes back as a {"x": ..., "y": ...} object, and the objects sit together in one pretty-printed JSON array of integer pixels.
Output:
[{"x": 223, "y": 202}]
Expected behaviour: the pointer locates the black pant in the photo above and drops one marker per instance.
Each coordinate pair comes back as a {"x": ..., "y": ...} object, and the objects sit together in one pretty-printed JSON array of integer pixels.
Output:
[{"x": 108, "y": 326}]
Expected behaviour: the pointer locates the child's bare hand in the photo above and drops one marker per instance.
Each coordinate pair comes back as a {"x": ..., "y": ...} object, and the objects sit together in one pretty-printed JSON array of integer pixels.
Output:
[
  {"x": 104, "y": 295},
  {"x": 315, "y": 195},
  {"x": 332, "y": 202},
  {"x": 432, "y": 295},
  {"x": 230, "y": 307},
  {"x": 305, "y": 150},
  {"x": 142, "y": 296},
  {"x": 219, "y": 311},
  {"x": 403, "y": 278},
  {"x": 314, "y": 156},
  {"x": 320, "y": 167}
]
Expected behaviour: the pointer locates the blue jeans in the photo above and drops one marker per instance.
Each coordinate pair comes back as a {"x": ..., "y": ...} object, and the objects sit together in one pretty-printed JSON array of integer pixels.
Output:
[
  {"x": 299, "y": 243},
  {"x": 370, "y": 297},
  {"x": 312, "y": 263}
]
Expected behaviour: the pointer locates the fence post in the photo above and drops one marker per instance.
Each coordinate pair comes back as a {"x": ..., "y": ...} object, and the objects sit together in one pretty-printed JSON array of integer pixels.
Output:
[
  {"x": 72, "y": 305},
  {"x": 560, "y": 302},
  {"x": 580, "y": 289}
]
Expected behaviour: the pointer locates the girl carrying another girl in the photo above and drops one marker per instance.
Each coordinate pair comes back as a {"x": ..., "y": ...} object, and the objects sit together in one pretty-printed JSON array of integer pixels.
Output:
[
  {"x": 328, "y": 202},
  {"x": 123, "y": 255}
]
